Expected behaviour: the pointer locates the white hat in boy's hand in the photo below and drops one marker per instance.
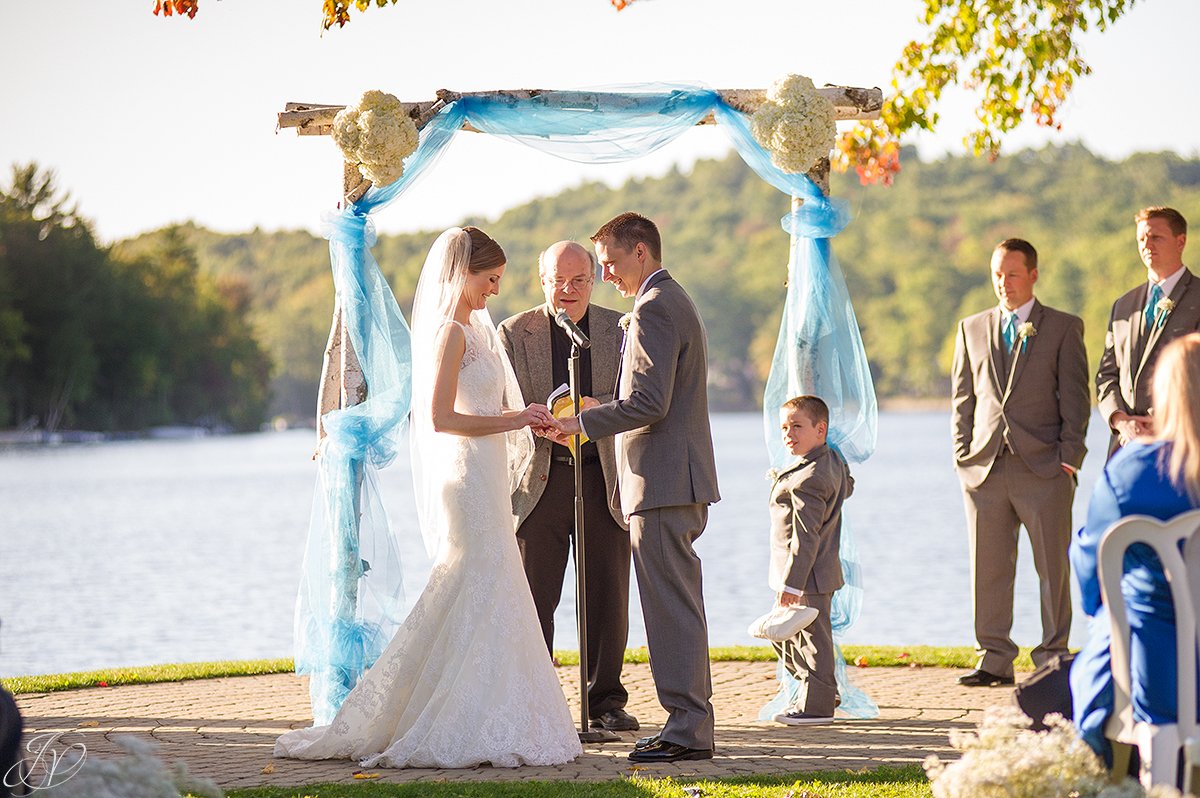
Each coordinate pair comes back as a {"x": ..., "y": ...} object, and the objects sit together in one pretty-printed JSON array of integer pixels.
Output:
[{"x": 782, "y": 623}]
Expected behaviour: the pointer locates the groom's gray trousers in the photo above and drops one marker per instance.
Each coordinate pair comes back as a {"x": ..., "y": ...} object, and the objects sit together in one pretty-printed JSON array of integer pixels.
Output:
[{"x": 670, "y": 586}]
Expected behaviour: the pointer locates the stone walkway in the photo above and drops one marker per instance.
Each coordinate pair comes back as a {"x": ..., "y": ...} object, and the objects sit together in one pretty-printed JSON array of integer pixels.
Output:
[{"x": 225, "y": 728}]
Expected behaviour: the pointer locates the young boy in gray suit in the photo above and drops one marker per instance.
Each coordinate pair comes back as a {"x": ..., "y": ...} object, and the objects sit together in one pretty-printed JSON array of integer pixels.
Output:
[{"x": 806, "y": 533}]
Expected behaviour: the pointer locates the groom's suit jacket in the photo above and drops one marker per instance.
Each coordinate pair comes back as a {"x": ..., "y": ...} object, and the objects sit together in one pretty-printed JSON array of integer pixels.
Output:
[
  {"x": 526, "y": 339},
  {"x": 1130, "y": 350},
  {"x": 664, "y": 449},
  {"x": 1035, "y": 400}
]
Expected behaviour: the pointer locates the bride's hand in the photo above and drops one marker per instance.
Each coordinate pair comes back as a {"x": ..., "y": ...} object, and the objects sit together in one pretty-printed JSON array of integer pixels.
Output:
[{"x": 536, "y": 416}]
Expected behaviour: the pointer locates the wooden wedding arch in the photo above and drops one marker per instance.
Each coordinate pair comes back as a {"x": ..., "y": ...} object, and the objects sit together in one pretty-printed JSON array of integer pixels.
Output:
[{"x": 342, "y": 383}]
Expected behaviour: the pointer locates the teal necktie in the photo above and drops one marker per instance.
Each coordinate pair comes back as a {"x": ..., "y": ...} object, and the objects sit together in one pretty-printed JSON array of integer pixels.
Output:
[
  {"x": 1156, "y": 295},
  {"x": 1009, "y": 330}
]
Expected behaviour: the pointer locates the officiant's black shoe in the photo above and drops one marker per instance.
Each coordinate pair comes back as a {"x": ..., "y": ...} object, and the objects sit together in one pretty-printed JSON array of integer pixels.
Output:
[
  {"x": 663, "y": 751},
  {"x": 645, "y": 742},
  {"x": 616, "y": 720},
  {"x": 981, "y": 678}
]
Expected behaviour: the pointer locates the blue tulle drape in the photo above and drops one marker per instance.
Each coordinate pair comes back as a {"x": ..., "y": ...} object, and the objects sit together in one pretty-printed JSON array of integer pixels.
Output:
[{"x": 349, "y": 599}]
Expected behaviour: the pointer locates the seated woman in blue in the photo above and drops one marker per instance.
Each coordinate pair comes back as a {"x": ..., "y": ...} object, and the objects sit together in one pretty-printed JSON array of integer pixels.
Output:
[{"x": 1159, "y": 477}]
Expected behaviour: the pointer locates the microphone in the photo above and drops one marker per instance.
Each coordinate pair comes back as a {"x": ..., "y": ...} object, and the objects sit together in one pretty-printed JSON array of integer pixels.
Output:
[{"x": 572, "y": 330}]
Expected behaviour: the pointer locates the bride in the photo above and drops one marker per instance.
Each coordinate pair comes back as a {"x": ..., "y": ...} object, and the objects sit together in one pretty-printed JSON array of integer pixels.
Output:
[{"x": 466, "y": 679}]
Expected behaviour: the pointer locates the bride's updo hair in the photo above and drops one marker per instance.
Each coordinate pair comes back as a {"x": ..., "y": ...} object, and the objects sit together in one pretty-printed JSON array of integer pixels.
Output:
[{"x": 485, "y": 252}]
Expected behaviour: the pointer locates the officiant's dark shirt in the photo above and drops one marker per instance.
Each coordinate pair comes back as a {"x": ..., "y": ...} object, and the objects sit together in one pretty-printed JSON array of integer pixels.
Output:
[{"x": 560, "y": 353}]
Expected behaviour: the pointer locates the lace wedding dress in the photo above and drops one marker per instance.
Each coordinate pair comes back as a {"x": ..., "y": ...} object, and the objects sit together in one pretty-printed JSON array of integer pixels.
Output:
[{"x": 466, "y": 680}]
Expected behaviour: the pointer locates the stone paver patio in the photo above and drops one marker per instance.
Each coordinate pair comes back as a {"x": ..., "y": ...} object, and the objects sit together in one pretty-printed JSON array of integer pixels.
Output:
[{"x": 225, "y": 728}]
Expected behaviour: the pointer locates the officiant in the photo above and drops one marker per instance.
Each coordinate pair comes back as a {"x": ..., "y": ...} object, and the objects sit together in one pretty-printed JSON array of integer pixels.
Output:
[{"x": 544, "y": 503}]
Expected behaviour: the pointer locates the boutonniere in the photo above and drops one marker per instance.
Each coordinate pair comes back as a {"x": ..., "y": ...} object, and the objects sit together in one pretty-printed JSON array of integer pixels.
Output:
[
  {"x": 1162, "y": 310},
  {"x": 1025, "y": 332},
  {"x": 623, "y": 322},
  {"x": 772, "y": 474}
]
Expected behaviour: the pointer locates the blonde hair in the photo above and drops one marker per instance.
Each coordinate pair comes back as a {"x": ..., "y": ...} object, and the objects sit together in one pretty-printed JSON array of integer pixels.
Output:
[{"x": 1177, "y": 410}]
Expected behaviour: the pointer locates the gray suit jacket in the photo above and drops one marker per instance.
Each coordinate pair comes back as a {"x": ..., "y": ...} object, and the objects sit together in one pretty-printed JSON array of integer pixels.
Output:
[
  {"x": 1040, "y": 405},
  {"x": 806, "y": 522},
  {"x": 664, "y": 449},
  {"x": 526, "y": 339},
  {"x": 1127, "y": 365}
]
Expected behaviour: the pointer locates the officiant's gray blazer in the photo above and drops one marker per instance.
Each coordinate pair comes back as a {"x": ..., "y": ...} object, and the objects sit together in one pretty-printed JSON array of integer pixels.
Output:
[
  {"x": 1124, "y": 378},
  {"x": 664, "y": 450},
  {"x": 526, "y": 340}
]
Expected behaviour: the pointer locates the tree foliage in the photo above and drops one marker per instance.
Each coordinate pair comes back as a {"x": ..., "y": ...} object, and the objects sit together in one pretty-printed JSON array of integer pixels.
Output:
[
  {"x": 1019, "y": 58},
  {"x": 915, "y": 258},
  {"x": 92, "y": 340}
]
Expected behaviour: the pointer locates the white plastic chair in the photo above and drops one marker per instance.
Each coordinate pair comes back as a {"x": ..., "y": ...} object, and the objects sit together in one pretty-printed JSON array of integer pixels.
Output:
[{"x": 1158, "y": 746}]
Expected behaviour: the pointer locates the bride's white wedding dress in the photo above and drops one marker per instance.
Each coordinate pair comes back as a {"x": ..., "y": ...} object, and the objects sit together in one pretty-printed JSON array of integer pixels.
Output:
[{"x": 466, "y": 680}]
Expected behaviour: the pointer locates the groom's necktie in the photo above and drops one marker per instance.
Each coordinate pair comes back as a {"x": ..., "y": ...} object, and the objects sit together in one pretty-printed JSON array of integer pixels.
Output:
[
  {"x": 1009, "y": 330},
  {"x": 1156, "y": 295}
]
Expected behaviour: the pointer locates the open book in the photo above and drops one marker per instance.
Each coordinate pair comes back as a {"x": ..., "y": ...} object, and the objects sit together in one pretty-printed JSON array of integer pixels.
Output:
[{"x": 561, "y": 406}]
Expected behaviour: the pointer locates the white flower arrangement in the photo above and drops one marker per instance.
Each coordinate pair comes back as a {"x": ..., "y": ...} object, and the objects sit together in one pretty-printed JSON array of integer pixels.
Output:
[
  {"x": 1004, "y": 758},
  {"x": 1025, "y": 331},
  {"x": 772, "y": 474},
  {"x": 623, "y": 322},
  {"x": 795, "y": 125},
  {"x": 376, "y": 134},
  {"x": 1163, "y": 309}
]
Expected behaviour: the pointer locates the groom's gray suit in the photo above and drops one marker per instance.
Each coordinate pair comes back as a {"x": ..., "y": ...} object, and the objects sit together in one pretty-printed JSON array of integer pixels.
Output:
[{"x": 668, "y": 477}]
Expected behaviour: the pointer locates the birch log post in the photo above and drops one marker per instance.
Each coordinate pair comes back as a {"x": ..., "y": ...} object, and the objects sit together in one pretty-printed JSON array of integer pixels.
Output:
[{"x": 342, "y": 385}]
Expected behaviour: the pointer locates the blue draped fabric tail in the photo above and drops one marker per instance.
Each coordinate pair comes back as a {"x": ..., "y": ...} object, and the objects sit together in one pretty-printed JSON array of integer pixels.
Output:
[{"x": 350, "y": 599}]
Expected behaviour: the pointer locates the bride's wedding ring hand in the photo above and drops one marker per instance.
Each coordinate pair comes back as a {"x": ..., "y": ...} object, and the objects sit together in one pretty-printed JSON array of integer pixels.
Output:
[{"x": 538, "y": 418}]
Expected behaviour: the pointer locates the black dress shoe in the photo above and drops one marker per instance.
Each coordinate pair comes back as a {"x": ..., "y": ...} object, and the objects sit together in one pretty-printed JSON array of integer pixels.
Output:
[
  {"x": 616, "y": 720},
  {"x": 981, "y": 678},
  {"x": 663, "y": 751},
  {"x": 645, "y": 742}
]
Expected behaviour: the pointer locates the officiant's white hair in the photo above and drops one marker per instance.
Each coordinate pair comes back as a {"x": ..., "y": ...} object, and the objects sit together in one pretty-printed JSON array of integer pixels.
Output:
[{"x": 570, "y": 246}]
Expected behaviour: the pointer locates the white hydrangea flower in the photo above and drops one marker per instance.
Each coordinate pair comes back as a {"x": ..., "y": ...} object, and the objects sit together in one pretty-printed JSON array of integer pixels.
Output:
[
  {"x": 795, "y": 125},
  {"x": 376, "y": 134},
  {"x": 1004, "y": 758}
]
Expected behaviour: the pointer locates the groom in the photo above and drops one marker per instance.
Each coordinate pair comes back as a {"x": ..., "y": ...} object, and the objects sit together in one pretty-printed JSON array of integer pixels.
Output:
[{"x": 668, "y": 476}]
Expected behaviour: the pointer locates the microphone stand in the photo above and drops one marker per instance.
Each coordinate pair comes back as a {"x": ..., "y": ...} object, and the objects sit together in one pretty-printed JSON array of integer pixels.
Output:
[{"x": 586, "y": 733}]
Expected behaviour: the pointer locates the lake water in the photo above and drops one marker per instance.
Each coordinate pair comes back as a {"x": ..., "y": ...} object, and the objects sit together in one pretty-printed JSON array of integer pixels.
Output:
[{"x": 146, "y": 552}]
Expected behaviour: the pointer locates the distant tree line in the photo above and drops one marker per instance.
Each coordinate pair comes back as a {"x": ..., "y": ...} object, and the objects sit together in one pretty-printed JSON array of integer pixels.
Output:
[
  {"x": 915, "y": 258},
  {"x": 93, "y": 340}
]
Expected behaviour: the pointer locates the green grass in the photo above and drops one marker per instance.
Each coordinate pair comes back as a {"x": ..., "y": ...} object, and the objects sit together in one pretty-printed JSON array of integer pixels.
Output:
[
  {"x": 873, "y": 656},
  {"x": 884, "y": 782},
  {"x": 112, "y": 677}
]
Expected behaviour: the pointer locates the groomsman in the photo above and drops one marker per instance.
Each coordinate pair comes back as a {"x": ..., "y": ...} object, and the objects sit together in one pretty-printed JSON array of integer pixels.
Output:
[
  {"x": 544, "y": 504},
  {"x": 1145, "y": 320},
  {"x": 1020, "y": 412}
]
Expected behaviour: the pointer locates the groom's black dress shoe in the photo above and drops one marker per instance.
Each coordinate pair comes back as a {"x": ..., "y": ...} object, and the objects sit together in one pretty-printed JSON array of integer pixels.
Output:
[
  {"x": 645, "y": 742},
  {"x": 616, "y": 720},
  {"x": 981, "y": 678},
  {"x": 663, "y": 751}
]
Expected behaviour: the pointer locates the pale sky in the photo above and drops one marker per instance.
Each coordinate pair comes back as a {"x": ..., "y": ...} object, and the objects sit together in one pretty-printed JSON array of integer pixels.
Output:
[{"x": 149, "y": 121}]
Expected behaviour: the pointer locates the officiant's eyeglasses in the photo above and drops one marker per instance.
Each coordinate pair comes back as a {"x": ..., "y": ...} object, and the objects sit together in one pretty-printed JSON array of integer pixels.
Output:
[{"x": 578, "y": 283}]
